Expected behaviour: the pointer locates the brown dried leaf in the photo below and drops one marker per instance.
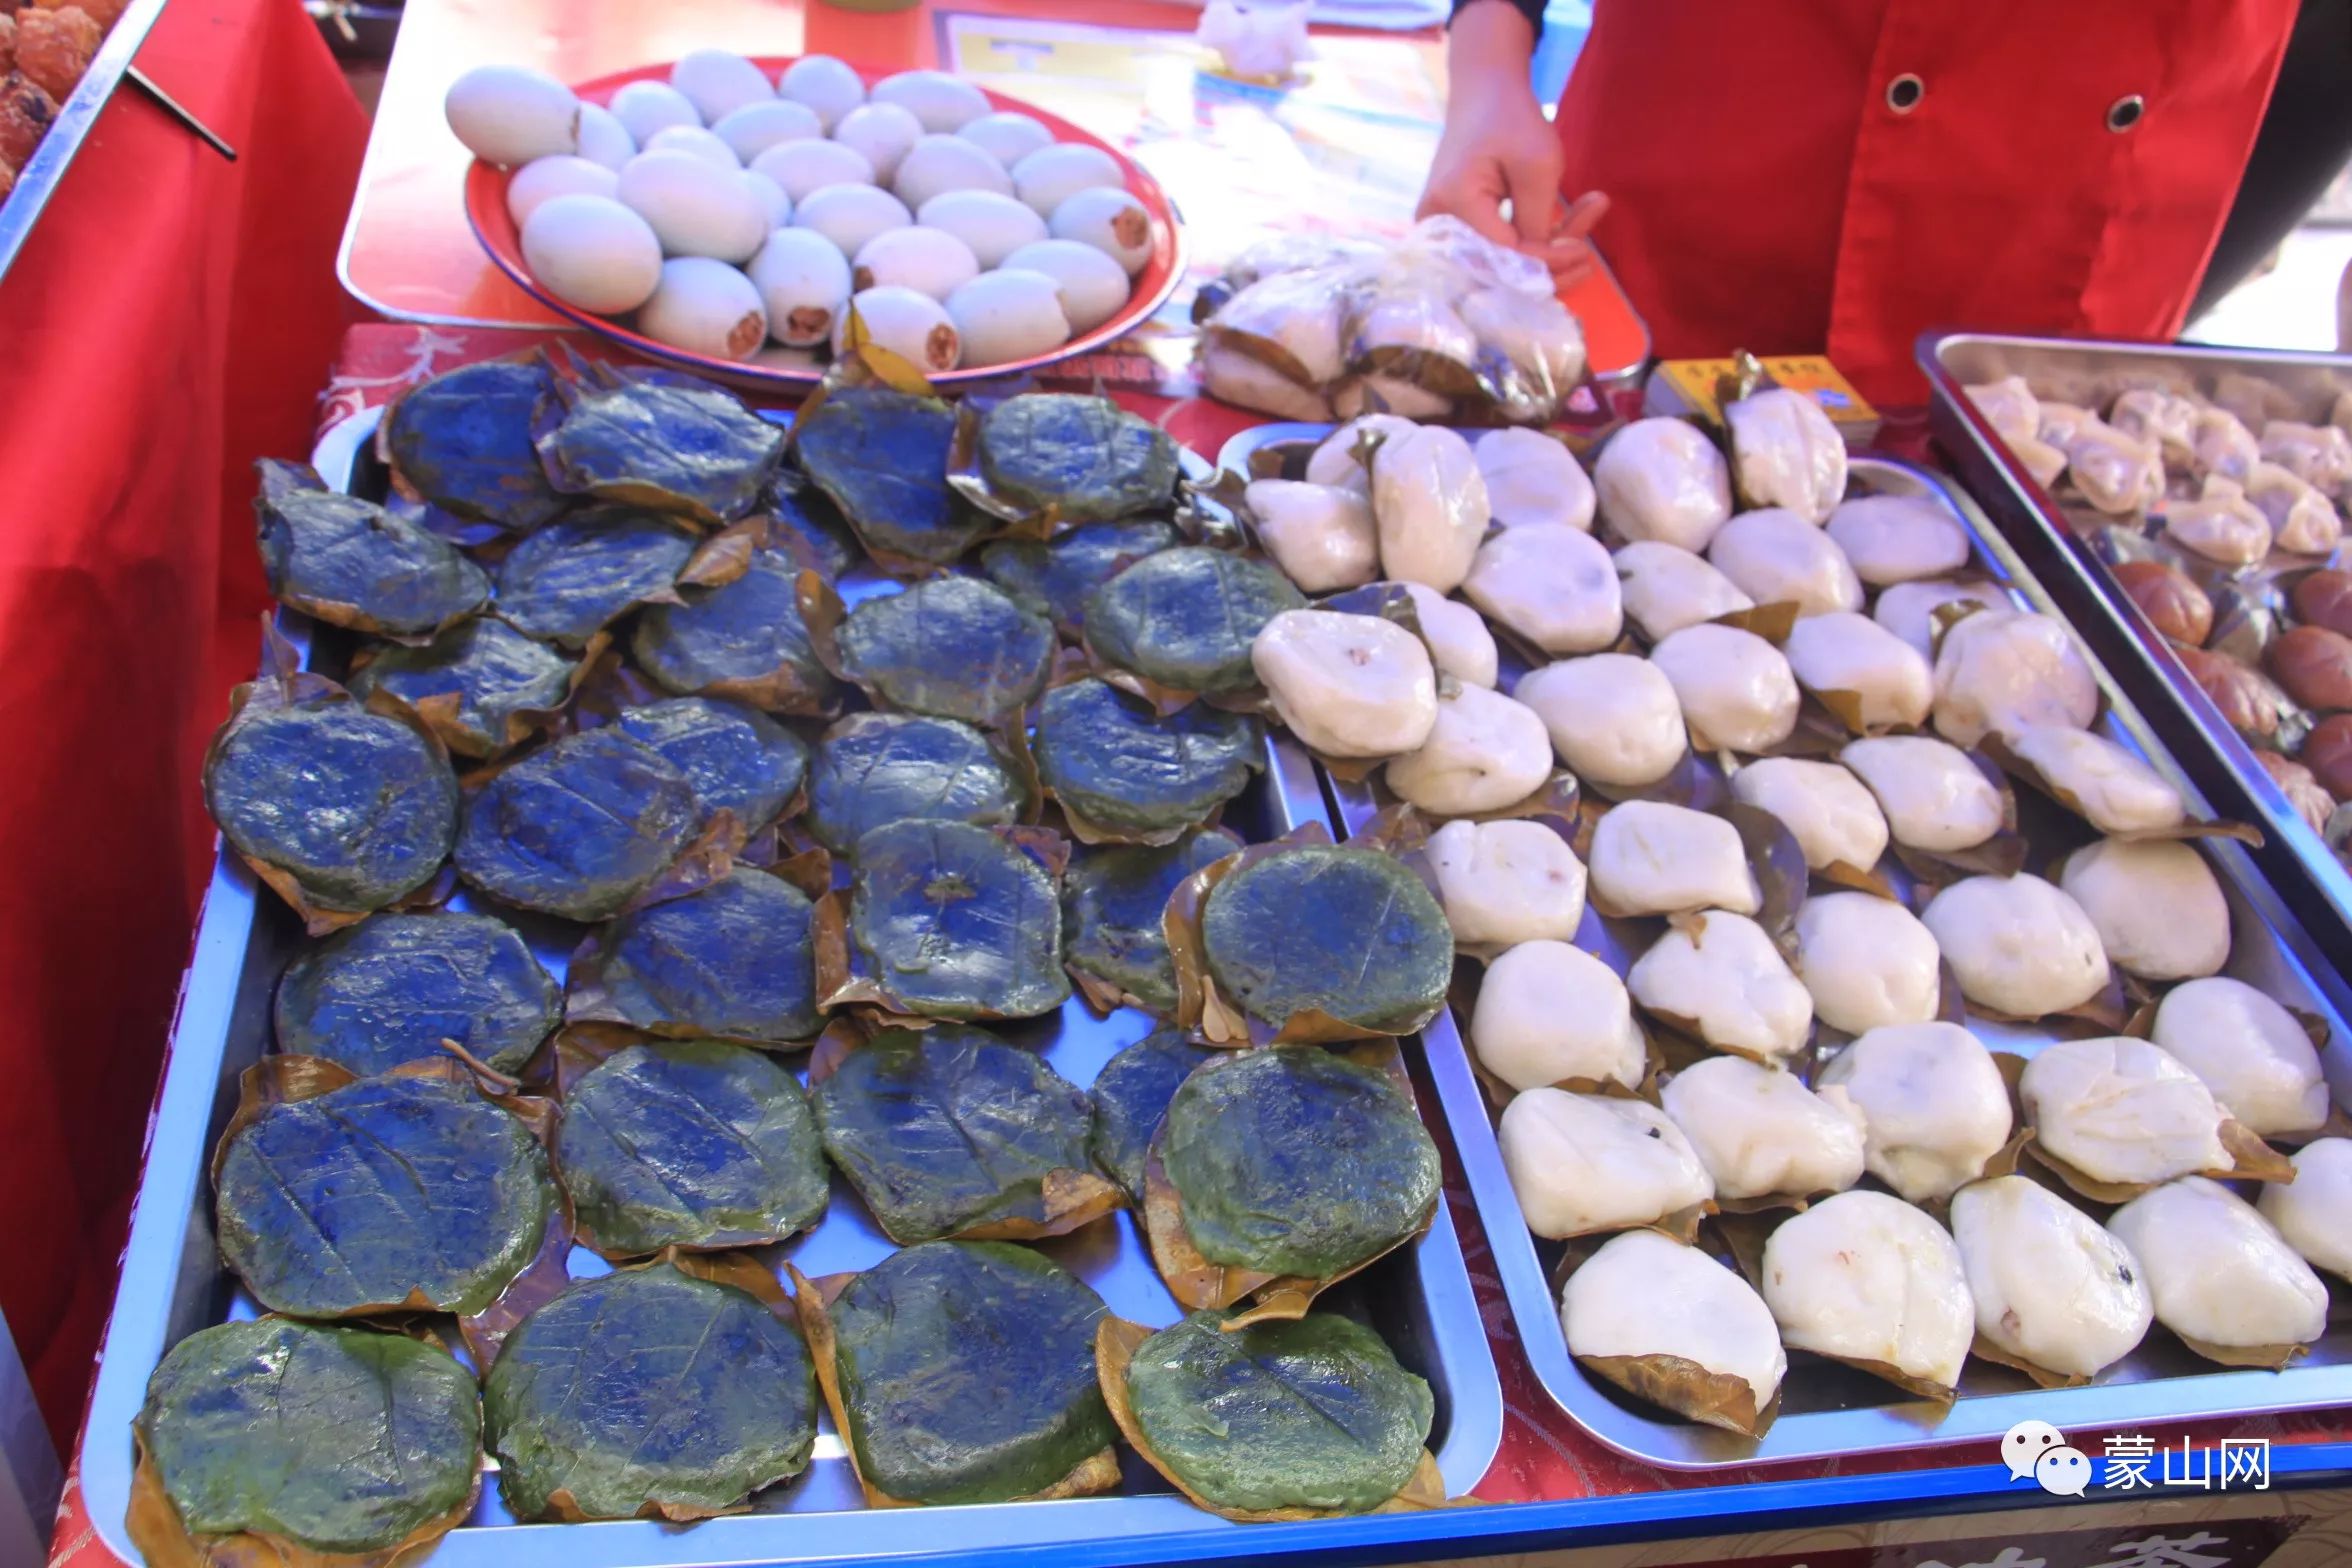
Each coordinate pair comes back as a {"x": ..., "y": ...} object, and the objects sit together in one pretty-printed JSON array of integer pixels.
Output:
[
  {"x": 1689, "y": 1390},
  {"x": 162, "y": 1537}
]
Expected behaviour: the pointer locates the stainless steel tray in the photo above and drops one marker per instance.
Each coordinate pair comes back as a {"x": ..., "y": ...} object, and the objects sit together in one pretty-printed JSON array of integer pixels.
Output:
[
  {"x": 37, "y": 181},
  {"x": 1829, "y": 1411},
  {"x": 2314, "y": 881},
  {"x": 173, "y": 1283}
]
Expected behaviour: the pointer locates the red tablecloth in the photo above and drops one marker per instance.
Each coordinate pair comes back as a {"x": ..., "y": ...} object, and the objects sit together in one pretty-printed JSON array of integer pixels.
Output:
[{"x": 168, "y": 321}]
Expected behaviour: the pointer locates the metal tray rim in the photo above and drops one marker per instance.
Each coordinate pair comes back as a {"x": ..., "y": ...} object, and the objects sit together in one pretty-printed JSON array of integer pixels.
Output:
[{"x": 75, "y": 118}]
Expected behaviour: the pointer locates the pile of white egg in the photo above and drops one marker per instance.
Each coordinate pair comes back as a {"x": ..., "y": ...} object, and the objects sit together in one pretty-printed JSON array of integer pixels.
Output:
[{"x": 729, "y": 211}]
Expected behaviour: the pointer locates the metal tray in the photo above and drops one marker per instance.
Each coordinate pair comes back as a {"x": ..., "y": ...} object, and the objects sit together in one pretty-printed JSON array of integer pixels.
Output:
[
  {"x": 173, "y": 1283},
  {"x": 2297, "y": 860},
  {"x": 38, "y": 180},
  {"x": 1830, "y": 1411}
]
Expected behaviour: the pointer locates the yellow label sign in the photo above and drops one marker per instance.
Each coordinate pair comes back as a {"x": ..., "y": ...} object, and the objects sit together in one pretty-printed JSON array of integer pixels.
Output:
[{"x": 1693, "y": 382}]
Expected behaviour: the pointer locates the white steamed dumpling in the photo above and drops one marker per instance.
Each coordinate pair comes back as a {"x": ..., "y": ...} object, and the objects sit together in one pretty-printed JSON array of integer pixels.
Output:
[
  {"x": 1485, "y": 752},
  {"x": 1736, "y": 689},
  {"x": 1898, "y": 538},
  {"x": 2120, "y": 1110},
  {"x": 2250, "y": 1051},
  {"x": 1863, "y": 1277},
  {"x": 1908, "y": 609},
  {"x": 1935, "y": 1109},
  {"x": 1550, "y": 583},
  {"x": 1999, "y": 671},
  {"x": 1457, "y": 636},
  {"x": 2114, "y": 791},
  {"x": 1532, "y": 478},
  {"x": 1335, "y": 461},
  {"x": 1786, "y": 452},
  {"x": 1347, "y": 685},
  {"x": 2220, "y": 1273},
  {"x": 1867, "y": 961},
  {"x": 1831, "y": 814},
  {"x": 1722, "y": 975},
  {"x": 1430, "y": 504},
  {"x": 1646, "y": 1295},
  {"x": 1582, "y": 1163},
  {"x": 1935, "y": 798},
  {"x": 2159, "y": 909},
  {"x": 1845, "y": 651},
  {"x": 1652, "y": 858},
  {"x": 1549, "y": 1013},
  {"x": 1613, "y": 717},
  {"x": 1777, "y": 557},
  {"x": 1662, "y": 479},
  {"x": 1508, "y": 882},
  {"x": 2017, "y": 945},
  {"x": 1761, "y": 1133},
  {"x": 1666, "y": 588},
  {"x": 2314, "y": 1211},
  {"x": 1320, "y": 535},
  {"x": 2052, "y": 1288}
]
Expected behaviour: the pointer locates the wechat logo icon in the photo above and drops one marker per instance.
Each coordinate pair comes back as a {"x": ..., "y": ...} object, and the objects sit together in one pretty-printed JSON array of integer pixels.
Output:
[{"x": 2038, "y": 1452}]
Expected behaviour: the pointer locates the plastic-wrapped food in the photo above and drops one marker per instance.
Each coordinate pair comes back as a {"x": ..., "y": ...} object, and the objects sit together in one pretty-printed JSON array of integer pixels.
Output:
[
  {"x": 2158, "y": 908},
  {"x": 1935, "y": 798},
  {"x": 1868, "y": 962},
  {"x": 1935, "y": 1110},
  {"x": 1347, "y": 685},
  {"x": 1720, "y": 977},
  {"x": 1666, "y": 588},
  {"x": 1540, "y": 337},
  {"x": 569, "y": 580},
  {"x": 1531, "y": 477},
  {"x": 392, "y": 988},
  {"x": 2222, "y": 1276},
  {"x": 1506, "y": 882},
  {"x": 1832, "y": 814},
  {"x": 1675, "y": 1327},
  {"x": 1785, "y": 452},
  {"x": 1898, "y": 539},
  {"x": 1662, "y": 479},
  {"x": 1550, "y": 584},
  {"x": 1761, "y": 1133},
  {"x": 2220, "y": 524},
  {"x": 351, "y": 563},
  {"x": 1583, "y": 1163},
  {"x": 2001, "y": 670},
  {"x": 1872, "y": 679},
  {"x": 1484, "y": 752},
  {"x": 1430, "y": 507},
  {"x": 1613, "y": 717},
  {"x": 2052, "y": 1288},
  {"x": 1549, "y": 1013},
  {"x": 2314, "y": 1211},
  {"x": 2250, "y": 1051},
  {"x": 1777, "y": 557},
  {"x": 1868, "y": 1279},
  {"x": 2017, "y": 944},
  {"x": 1737, "y": 690},
  {"x": 583, "y": 1402}
]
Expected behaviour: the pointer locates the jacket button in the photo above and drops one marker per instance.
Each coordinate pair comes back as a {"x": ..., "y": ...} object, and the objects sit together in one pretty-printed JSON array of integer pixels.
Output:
[
  {"x": 2125, "y": 112},
  {"x": 1904, "y": 92}
]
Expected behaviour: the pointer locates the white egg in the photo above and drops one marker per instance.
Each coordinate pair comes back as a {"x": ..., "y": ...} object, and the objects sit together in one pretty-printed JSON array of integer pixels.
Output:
[
  {"x": 826, "y": 85},
  {"x": 772, "y": 199},
  {"x": 913, "y": 326},
  {"x": 592, "y": 252},
  {"x": 1006, "y": 137},
  {"x": 705, "y": 307},
  {"x": 754, "y": 128},
  {"x": 1052, "y": 175},
  {"x": 1008, "y": 315},
  {"x": 511, "y": 114},
  {"x": 543, "y": 179},
  {"x": 993, "y": 224},
  {"x": 804, "y": 283},
  {"x": 696, "y": 142},
  {"x": 695, "y": 207},
  {"x": 1094, "y": 287},
  {"x": 850, "y": 215},
  {"x": 938, "y": 164},
  {"x": 803, "y": 168},
  {"x": 884, "y": 132},
  {"x": 941, "y": 101},
  {"x": 929, "y": 261},
  {"x": 1112, "y": 221},
  {"x": 643, "y": 108},
  {"x": 718, "y": 82},
  {"x": 604, "y": 139}
]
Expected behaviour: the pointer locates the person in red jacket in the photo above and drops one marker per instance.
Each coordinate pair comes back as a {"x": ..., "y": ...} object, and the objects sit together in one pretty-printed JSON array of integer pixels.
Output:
[{"x": 1839, "y": 175}]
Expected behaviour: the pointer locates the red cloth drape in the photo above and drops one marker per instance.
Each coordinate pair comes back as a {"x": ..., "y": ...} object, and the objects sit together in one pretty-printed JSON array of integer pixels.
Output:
[{"x": 169, "y": 320}]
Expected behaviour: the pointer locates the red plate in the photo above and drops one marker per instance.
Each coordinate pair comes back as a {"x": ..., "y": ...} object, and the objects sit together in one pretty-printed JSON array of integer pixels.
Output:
[{"x": 486, "y": 210}]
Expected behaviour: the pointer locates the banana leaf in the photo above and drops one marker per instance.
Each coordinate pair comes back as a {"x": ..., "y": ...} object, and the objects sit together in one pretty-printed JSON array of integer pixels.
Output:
[
  {"x": 1326, "y": 942},
  {"x": 481, "y": 686},
  {"x": 303, "y": 1444},
  {"x": 1071, "y": 458},
  {"x": 1113, "y": 899},
  {"x": 1131, "y": 1094},
  {"x": 579, "y": 829},
  {"x": 463, "y": 442},
  {"x": 1123, "y": 773},
  {"x": 947, "y": 920},
  {"x": 689, "y": 1143},
  {"x": 737, "y": 758},
  {"x": 881, "y": 456},
  {"x": 963, "y": 1372},
  {"x": 587, "y": 569},
  {"x": 1182, "y": 621},
  {"x": 952, "y": 1132},
  {"x": 732, "y": 961},
  {"x": 351, "y": 563},
  {"x": 1055, "y": 577},
  {"x": 872, "y": 769},
  {"x": 649, "y": 1393},
  {"x": 952, "y": 648},
  {"x": 392, "y": 988},
  {"x": 804, "y": 522},
  {"x": 744, "y": 639},
  {"x": 657, "y": 439}
]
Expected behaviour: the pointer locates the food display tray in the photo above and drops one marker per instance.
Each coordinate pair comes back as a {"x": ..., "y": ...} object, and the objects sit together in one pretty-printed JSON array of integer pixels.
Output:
[
  {"x": 37, "y": 181},
  {"x": 173, "y": 1281},
  {"x": 2296, "y": 859},
  {"x": 1829, "y": 1411}
]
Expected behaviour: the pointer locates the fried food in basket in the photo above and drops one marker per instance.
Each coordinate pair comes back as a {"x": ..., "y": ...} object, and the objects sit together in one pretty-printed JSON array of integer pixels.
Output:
[
  {"x": 26, "y": 113},
  {"x": 53, "y": 48}
]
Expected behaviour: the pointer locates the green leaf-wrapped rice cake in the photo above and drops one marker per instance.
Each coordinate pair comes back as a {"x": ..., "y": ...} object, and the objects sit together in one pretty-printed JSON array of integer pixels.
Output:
[
  {"x": 341, "y": 1442},
  {"x": 343, "y": 811},
  {"x": 393, "y": 987},
  {"x": 1295, "y": 1162},
  {"x": 736, "y": 757},
  {"x": 1055, "y": 577},
  {"x": 1289, "y": 1418},
  {"x": 1121, "y": 771},
  {"x": 587, "y": 569},
  {"x": 952, "y": 647},
  {"x": 963, "y": 1372},
  {"x": 953, "y": 921},
  {"x": 1184, "y": 619},
  {"x": 743, "y": 640},
  {"x": 578, "y": 829},
  {"x": 689, "y": 1143},
  {"x": 872, "y": 769},
  {"x": 1112, "y": 901},
  {"x": 882, "y": 458},
  {"x": 732, "y": 961},
  {"x": 952, "y": 1132},
  {"x": 804, "y": 521},
  {"x": 389, "y": 1194},
  {"x": 463, "y": 441},
  {"x": 1084, "y": 459},
  {"x": 351, "y": 563},
  {"x": 1131, "y": 1094},
  {"x": 1313, "y": 932},
  {"x": 480, "y": 686},
  {"x": 658, "y": 439},
  {"x": 648, "y": 1393}
]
